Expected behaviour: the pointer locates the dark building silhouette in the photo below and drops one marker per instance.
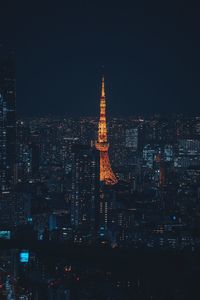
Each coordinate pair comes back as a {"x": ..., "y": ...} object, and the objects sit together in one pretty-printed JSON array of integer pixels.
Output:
[
  {"x": 85, "y": 187},
  {"x": 7, "y": 123}
]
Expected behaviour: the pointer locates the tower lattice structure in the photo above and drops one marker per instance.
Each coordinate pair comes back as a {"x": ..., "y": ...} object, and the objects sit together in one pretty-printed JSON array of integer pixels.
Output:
[{"x": 106, "y": 172}]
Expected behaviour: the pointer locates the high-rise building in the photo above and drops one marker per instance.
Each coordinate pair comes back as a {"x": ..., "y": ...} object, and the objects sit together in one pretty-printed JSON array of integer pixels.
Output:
[
  {"x": 132, "y": 138},
  {"x": 106, "y": 172},
  {"x": 85, "y": 187},
  {"x": 28, "y": 153},
  {"x": 7, "y": 124},
  {"x": 188, "y": 153}
]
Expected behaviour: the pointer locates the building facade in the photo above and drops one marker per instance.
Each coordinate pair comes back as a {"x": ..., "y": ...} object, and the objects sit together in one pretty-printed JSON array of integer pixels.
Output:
[{"x": 7, "y": 124}]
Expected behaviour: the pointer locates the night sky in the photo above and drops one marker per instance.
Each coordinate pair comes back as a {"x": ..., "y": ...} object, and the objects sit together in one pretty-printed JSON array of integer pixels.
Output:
[{"x": 150, "y": 50}]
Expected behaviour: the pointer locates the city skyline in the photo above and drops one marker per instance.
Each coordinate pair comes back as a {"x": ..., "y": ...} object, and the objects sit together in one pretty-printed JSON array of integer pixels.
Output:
[
  {"x": 99, "y": 167},
  {"x": 53, "y": 199}
]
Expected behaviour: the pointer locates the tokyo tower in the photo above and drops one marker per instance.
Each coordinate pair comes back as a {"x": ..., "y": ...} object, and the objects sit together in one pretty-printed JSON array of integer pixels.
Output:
[{"x": 106, "y": 172}]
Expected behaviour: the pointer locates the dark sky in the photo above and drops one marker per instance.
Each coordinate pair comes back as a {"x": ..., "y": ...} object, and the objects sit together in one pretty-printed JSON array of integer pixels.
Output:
[{"x": 150, "y": 50}]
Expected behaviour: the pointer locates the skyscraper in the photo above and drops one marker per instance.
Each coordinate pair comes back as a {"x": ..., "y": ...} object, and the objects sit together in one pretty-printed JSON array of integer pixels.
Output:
[
  {"x": 131, "y": 138},
  {"x": 7, "y": 123},
  {"x": 106, "y": 172},
  {"x": 85, "y": 187}
]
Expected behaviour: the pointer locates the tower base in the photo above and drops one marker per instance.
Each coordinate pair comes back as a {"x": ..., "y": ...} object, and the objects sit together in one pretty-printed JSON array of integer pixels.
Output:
[{"x": 106, "y": 173}]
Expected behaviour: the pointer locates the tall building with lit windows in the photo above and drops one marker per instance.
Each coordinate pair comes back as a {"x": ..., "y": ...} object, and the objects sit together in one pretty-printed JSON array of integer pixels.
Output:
[
  {"x": 85, "y": 187},
  {"x": 7, "y": 124}
]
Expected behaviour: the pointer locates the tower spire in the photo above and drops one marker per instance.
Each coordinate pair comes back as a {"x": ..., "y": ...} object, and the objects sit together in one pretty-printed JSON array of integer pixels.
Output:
[{"x": 103, "y": 87}]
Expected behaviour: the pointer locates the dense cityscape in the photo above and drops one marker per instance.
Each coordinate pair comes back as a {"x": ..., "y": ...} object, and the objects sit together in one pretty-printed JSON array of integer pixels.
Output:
[
  {"x": 58, "y": 190},
  {"x": 155, "y": 202}
]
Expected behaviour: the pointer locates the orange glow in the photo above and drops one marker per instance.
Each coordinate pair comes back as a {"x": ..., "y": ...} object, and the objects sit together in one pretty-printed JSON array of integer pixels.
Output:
[{"x": 106, "y": 173}]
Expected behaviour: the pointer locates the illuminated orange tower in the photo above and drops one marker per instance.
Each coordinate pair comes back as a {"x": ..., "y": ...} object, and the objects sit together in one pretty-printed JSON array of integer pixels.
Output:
[{"x": 106, "y": 172}]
